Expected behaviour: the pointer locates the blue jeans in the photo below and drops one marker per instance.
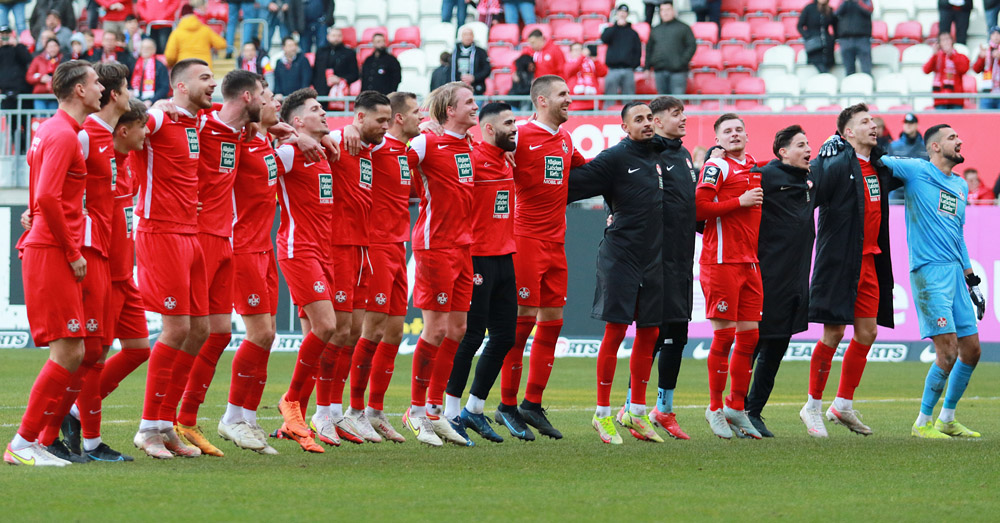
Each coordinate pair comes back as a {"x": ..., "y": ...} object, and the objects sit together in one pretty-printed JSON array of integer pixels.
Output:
[
  {"x": 991, "y": 18},
  {"x": 46, "y": 105},
  {"x": 18, "y": 10},
  {"x": 313, "y": 33},
  {"x": 249, "y": 11},
  {"x": 275, "y": 22},
  {"x": 990, "y": 103},
  {"x": 526, "y": 10},
  {"x": 448, "y": 6},
  {"x": 856, "y": 48}
]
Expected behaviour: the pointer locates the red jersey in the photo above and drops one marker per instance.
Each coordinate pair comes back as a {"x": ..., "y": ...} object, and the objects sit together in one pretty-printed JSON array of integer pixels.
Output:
[
  {"x": 731, "y": 237},
  {"x": 122, "y": 243},
  {"x": 217, "y": 164},
  {"x": 492, "y": 226},
  {"x": 445, "y": 187},
  {"x": 550, "y": 60},
  {"x": 391, "y": 191},
  {"x": 98, "y": 147},
  {"x": 306, "y": 197},
  {"x": 168, "y": 174},
  {"x": 352, "y": 189},
  {"x": 254, "y": 196},
  {"x": 57, "y": 181},
  {"x": 873, "y": 207},
  {"x": 543, "y": 159}
]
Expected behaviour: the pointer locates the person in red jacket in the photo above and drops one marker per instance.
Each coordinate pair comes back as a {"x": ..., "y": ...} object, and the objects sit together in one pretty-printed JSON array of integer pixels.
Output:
[
  {"x": 115, "y": 13},
  {"x": 40, "y": 73},
  {"x": 153, "y": 10},
  {"x": 548, "y": 56},
  {"x": 948, "y": 66},
  {"x": 582, "y": 76}
]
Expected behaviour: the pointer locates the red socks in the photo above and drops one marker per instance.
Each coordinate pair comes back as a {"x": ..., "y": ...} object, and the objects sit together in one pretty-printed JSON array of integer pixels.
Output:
[
  {"x": 819, "y": 368},
  {"x": 51, "y": 430},
  {"x": 326, "y": 376},
  {"x": 89, "y": 402},
  {"x": 46, "y": 394},
  {"x": 607, "y": 358},
  {"x": 119, "y": 366},
  {"x": 443, "y": 363},
  {"x": 260, "y": 380},
  {"x": 718, "y": 365},
  {"x": 641, "y": 362},
  {"x": 423, "y": 367},
  {"x": 853, "y": 367},
  {"x": 513, "y": 363},
  {"x": 244, "y": 376},
  {"x": 200, "y": 377},
  {"x": 361, "y": 369},
  {"x": 741, "y": 367},
  {"x": 543, "y": 353},
  {"x": 306, "y": 365},
  {"x": 341, "y": 371},
  {"x": 383, "y": 365},
  {"x": 161, "y": 363},
  {"x": 175, "y": 388}
]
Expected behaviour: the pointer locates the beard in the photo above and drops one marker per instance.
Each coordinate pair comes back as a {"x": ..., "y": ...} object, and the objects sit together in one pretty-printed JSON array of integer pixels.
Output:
[
  {"x": 955, "y": 158},
  {"x": 253, "y": 114},
  {"x": 505, "y": 141}
]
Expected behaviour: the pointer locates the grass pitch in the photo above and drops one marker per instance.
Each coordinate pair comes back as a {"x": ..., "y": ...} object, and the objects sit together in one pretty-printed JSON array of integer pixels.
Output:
[{"x": 887, "y": 476}]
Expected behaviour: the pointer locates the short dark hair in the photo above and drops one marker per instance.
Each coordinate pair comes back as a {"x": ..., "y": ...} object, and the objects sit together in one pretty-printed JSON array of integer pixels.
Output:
[
  {"x": 295, "y": 101},
  {"x": 665, "y": 103},
  {"x": 445, "y": 58},
  {"x": 378, "y": 34},
  {"x": 493, "y": 108},
  {"x": 845, "y": 116},
  {"x": 398, "y": 101},
  {"x": 67, "y": 76},
  {"x": 254, "y": 42},
  {"x": 932, "y": 132},
  {"x": 972, "y": 170},
  {"x": 784, "y": 138},
  {"x": 369, "y": 100},
  {"x": 113, "y": 76},
  {"x": 237, "y": 81},
  {"x": 629, "y": 106},
  {"x": 725, "y": 118},
  {"x": 53, "y": 12},
  {"x": 177, "y": 73},
  {"x": 536, "y": 33},
  {"x": 137, "y": 113},
  {"x": 542, "y": 85},
  {"x": 52, "y": 41},
  {"x": 286, "y": 39},
  {"x": 129, "y": 18}
]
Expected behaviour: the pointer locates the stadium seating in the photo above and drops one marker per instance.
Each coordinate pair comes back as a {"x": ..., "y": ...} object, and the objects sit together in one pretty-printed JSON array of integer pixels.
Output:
[
  {"x": 643, "y": 29},
  {"x": 406, "y": 37},
  {"x": 894, "y": 83},
  {"x": 563, "y": 9},
  {"x": 819, "y": 84},
  {"x": 507, "y": 35},
  {"x": 907, "y": 33},
  {"x": 791, "y": 28},
  {"x": 546, "y": 30},
  {"x": 749, "y": 86},
  {"x": 369, "y": 33},
  {"x": 743, "y": 60},
  {"x": 880, "y": 31},
  {"x": 857, "y": 84},
  {"x": 791, "y": 8},
  {"x": 414, "y": 61},
  {"x": 769, "y": 32},
  {"x": 569, "y": 33},
  {"x": 592, "y": 28},
  {"x": 707, "y": 60},
  {"x": 406, "y": 11},
  {"x": 887, "y": 55},
  {"x": 370, "y": 13},
  {"x": 780, "y": 58},
  {"x": 706, "y": 32},
  {"x": 733, "y": 8},
  {"x": 438, "y": 32},
  {"x": 594, "y": 9},
  {"x": 350, "y": 36}
]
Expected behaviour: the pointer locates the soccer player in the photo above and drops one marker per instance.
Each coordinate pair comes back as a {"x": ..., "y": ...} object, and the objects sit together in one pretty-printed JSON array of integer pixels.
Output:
[
  {"x": 852, "y": 274},
  {"x": 219, "y": 136},
  {"x": 255, "y": 284},
  {"x": 544, "y": 156},
  {"x": 785, "y": 252},
  {"x": 941, "y": 275},
  {"x": 629, "y": 264},
  {"x": 306, "y": 200},
  {"x": 53, "y": 265},
  {"x": 494, "y": 291},
  {"x": 171, "y": 265},
  {"x": 728, "y": 198},
  {"x": 441, "y": 239}
]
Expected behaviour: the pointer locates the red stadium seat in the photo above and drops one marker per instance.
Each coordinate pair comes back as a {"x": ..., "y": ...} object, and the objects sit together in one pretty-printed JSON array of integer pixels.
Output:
[
  {"x": 733, "y": 8},
  {"x": 796, "y": 109},
  {"x": 643, "y": 29},
  {"x": 596, "y": 9},
  {"x": 546, "y": 30},
  {"x": 832, "y": 108},
  {"x": 767, "y": 8},
  {"x": 707, "y": 60},
  {"x": 568, "y": 33},
  {"x": 908, "y": 33},
  {"x": 643, "y": 85},
  {"x": 769, "y": 32},
  {"x": 713, "y": 106},
  {"x": 502, "y": 58},
  {"x": 502, "y": 82},
  {"x": 564, "y": 9},
  {"x": 750, "y": 86},
  {"x": 739, "y": 59},
  {"x": 791, "y": 28},
  {"x": 736, "y": 32},
  {"x": 760, "y": 49},
  {"x": 706, "y": 32},
  {"x": 710, "y": 85},
  {"x": 366, "y": 37},
  {"x": 406, "y": 37},
  {"x": 312, "y": 59},
  {"x": 507, "y": 35},
  {"x": 969, "y": 86},
  {"x": 880, "y": 31},
  {"x": 791, "y": 8},
  {"x": 591, "y": 29},
  {"x": 901, "y": 108},
  {"x": 350, "y": 36},
  {"x": 363, "y": 53},
  {"x": 356, "y": 87}
]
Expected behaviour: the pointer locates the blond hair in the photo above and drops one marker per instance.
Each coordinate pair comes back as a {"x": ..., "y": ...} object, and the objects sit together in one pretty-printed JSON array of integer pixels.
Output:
[{"x": 440, "y": 99}]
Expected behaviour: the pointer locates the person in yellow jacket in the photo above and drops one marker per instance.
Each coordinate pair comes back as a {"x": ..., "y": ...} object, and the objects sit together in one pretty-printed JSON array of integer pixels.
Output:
[{"x": 192, "y": 39}]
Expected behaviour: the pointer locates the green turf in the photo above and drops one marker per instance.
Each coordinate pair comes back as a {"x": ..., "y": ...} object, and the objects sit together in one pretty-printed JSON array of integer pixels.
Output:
[{"x": 887, "y": 476}]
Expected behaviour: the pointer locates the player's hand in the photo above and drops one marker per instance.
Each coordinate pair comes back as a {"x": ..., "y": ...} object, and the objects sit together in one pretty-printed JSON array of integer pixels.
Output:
[
  {"x": 352, "y": 139},
  {"x": 332, "y": 151},
  {"x": 717, "y": 152},
  {"x": 79, "y": 268},
  {"x": 168, "y": 108},
  {"x": 311, "y": 149},
  {"x": 432, "y": 126},
  {"x": 752, "y": 197},
  {"x": 509, "y": 156},
  {"x": 832, "y": 146},
  {"x": 282, "y": 131},
  {"x": 250, "y": 131},
  {"x": 973, "y": 281},
  {"x": 611, "y": 219},
  {"x": 26, "y": 220}
]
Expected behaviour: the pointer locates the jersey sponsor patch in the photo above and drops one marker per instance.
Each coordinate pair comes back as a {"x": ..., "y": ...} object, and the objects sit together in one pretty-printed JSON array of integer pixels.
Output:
[
  {"x": 404, "y": 170},
  {"x": 501, "y": 204},
  {"x": 272, "y": 169},
  {"x": 711, "y": 176},
  {"x": 227, "y": 159},
  {"x": 325, "y": 188},
  {"x": 129, "y": 213},
  {"x": 948, "y": 203},
  {"x": 192, "y": 136},
  {"x": 874, "y": 189},
  {"x": 365, "y": 180},
  {"x": 464, "y": 164},
  {"x": 114, "y": 173},
  {"x": 553, "y": 170}
]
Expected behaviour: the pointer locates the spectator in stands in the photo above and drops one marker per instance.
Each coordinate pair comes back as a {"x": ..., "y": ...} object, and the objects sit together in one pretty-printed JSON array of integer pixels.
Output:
[
  {"x": 159, "y": 10},
  {"x": 948, "y": 66},
  {"x": 249, "y": 10},
  {"x": 111, "y": 51},
  {"x": 89, "y": 47},
  {"x": 279, "y": 13},
  {"x": 39, "y": 16},
  {"x": 336, "y": 66},
  {"x": 910, "y": 143},
  {"x": 77, "y": 47},
  {"x": 192, "y": 39},
  {"x": 115, "y": 13},
  {"x": 469, "y": 63},
  {"x": 45, "y": 36},
  {"x": 133, "y": 35},
  {"x": 14, "y": 62},
  {"x": 292, "y": 70},
  {"x": 524, "y": 75},
  {"x": 818, "y": 27},
  {"x": 708, "y": 11},
  {"x": 491, "y": 12},
  {"x": 442, "y": 74},
  {"x": 854, "y": 32},
  {"x": 251, "y": 59},
  {"x": 450, "y": 6},
  {"x": 318, "y": 14},
  {"x": 669, "y": 50},
  {"x": 698, "y": 155},
  {"x": 150, "y": 78},
  {"x": 519, "y": 10},
  {"x": 381, "y": 71},
  {"x": 979, "y": 193},
  {"x": 40, "y": 73},
  {"x": 93, "y": 14},
  {"x": 583, "y": 75},
  {"x": 63, "y": 34},
  {"x": 956, "y": 12},
  {"x": 623, "y": 57},
  {"x": 988, "y": 63},
  {"x": 651, "y": 7},
  {"x": 884, "y": 136},
  {"x": 15, "y": 7},
  {"x": 547, "y": 55}
]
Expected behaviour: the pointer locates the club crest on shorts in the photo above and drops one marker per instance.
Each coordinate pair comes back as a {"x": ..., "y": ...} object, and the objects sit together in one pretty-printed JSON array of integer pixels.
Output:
[
  {"x": 253, "y": 300},
  {"x": 523, "y": 293},
  {"x": 942, "y": 322},
  {"x": 170, "y": 303},
  {"x": 340, "y": 296},
  {"x": 91, "y": 325},
  {"x": 380, "y": 298},
  {"x": 73, "y": 325},
  {"x": 477, "y": 279},
  {"x": 442, "y": 298},
  {"x": 722, "y": 306},
  {"x": 319, "y": 286}
]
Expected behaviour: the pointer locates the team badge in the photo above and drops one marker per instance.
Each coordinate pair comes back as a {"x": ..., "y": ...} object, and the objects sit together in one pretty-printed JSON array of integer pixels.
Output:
[
  {"x": 91, "y": 325},
  {"x": 380, "y": 298},
  {"x": 340, "y": 296},
  {"x": 722, "y": 306},
  {"x": 442, "y": 298},
  {"x": 711, "y": 176},
  {"x": 694, "y": 177},
  {"x": 73, "y": 325},
  {"x": 477, "y": 279},
  {"x": 942, "y": 322},
  {"x": 253, "y": 300},
  {"x": 319, "y": 286},
  {"x": 565, "y": 148},
  {"x": 523, "y": 293},
  {"x": 658, "y": 170},
  {"x": 170, "y": 303}
]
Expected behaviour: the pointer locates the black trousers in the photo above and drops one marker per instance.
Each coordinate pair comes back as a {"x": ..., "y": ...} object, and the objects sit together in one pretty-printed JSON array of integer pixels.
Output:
[
  {"x": 959, "y": 18},
  {"x": 494, "y": 307},
  {"x": 768, "y": 354}
]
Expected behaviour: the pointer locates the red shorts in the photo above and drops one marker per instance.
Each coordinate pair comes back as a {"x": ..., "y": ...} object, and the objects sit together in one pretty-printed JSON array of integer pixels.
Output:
[
  {"x": 219, "y": 272},
  {"x": 308, "y": 279},
  {"x": 172, "y": 273},
  {"x": 541, "y": 273},
  {"x": 128, "y": 316},
  {"x": 256, "y": 283},
  {"x": 866, "y": 305},
  {"x": 733, "y": 291},
  {"x": 443, "y": 279},
  {"x": 387, "y": 289},
  {"x": 351, "y": 272},
  {"x": 97, "y": 297},
  {"x": 52, "y": 296}
]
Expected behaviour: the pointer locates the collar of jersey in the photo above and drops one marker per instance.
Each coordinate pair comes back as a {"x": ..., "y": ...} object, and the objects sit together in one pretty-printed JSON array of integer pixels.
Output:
[
  {"x": 543, "y": 126},
  {"x": 98, "y": 119},
  {"x": 454, "y": 134}
]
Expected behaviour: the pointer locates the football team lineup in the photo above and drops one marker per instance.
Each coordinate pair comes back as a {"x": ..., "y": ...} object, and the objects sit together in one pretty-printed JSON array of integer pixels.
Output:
[{"x": 205, "y": 181}]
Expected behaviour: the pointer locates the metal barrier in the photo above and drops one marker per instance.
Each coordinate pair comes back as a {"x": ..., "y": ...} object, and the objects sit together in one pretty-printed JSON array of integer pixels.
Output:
[{"x": 266, "y": 40}]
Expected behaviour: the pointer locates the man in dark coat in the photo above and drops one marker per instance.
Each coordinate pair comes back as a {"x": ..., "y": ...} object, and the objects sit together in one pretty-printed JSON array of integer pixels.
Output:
[
  {"x": 629, "y": 263},
  {"x": 336, "y": 64},
  {"x": 852, "y": 275},
  {"x": 784, "y": 248},
  {"x": 381, "y": 71},
  {"x": 469, "y": 63}
]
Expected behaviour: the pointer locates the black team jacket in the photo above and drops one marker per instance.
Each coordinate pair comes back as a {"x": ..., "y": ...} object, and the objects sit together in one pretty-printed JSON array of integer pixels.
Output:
[{"x": 679, "y": 182}]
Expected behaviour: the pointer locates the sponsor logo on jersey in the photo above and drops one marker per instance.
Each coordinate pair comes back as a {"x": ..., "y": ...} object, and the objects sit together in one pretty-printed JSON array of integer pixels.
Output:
[
  {"x": 711, "y": 176},
  {"x": 553, "y": 170},
  {"x": 442, "y": 298},
  {"x": 325, "y": 188},
  {"x": 477, "y": 279},
  {"x": 227, "y": 157},
  {"x": 501, "y": 205},
  {"x": 366, "y": 174},
  {"x": 129, "y": 213},
  {"x": 948, "y": 203},
  {"x": 874, "y": 189},
  {"x": 272, "y": 169},
  {"x": 340, "y": 296},
  {"x": 170, "y": 303},
  {"x": 193, "y": 148},
  {"x": 464, "y": 164},
  {"x": 380, "y": 298},
  {"x": 91, "y": 325},
  {"x": 114, "y": 173},
  {"x": 404, "y": 170},
  {"x": 253, "y": 300},
  {"x": 73, "y": 325}
]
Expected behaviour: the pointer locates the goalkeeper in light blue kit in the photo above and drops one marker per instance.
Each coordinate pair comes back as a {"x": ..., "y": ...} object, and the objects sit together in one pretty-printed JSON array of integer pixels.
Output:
[{"x": 945, "y": 290}]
